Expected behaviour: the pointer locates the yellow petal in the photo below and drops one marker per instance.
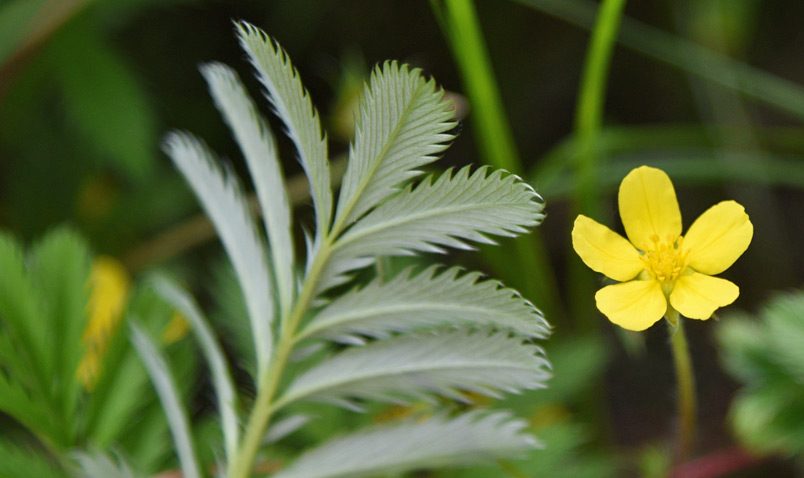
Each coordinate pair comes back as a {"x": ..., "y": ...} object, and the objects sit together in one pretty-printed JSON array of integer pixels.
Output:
[
  {"x": 634, "y": 305},
  {"x": 697, "y": 295},
  {"x": 648, "y": 207},
  {"x": 605, "y": 251},
  {"x": 718, "y": 237}
]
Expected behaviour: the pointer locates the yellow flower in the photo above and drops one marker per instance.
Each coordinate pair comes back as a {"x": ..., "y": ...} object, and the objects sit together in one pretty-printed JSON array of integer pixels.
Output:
[
  {"x": 659, "y": 266},
  {"x": 109, "y": 284},
  {"x": 176, "y": 329}
]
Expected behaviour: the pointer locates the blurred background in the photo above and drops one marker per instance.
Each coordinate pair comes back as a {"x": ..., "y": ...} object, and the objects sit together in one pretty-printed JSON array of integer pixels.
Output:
[{"x": 712, "y": 91}]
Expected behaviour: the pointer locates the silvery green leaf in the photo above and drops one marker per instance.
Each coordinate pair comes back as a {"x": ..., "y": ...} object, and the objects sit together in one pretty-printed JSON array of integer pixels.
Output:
[
  {"x": 221, "y": 379},
  {"x": 425, "y": 300},
  {"x": 402, "y": 125},
  {"x": 101, "y": 465},
  {"x": 419, "y": 366},
  {"x": 413, "y": 444},
  {"x": 259, "y": 149},
  {"x": 293, "y": 106},
  {"x": 285, "y": 427},
  {"x": 168, "y": 394},
  {"x": 453, "y": 210},
  {"x": 222, "y": 198}
]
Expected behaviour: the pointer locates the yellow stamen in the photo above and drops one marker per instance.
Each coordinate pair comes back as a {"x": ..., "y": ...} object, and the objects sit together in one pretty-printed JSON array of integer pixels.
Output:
[{"x": 666, "y": 260}]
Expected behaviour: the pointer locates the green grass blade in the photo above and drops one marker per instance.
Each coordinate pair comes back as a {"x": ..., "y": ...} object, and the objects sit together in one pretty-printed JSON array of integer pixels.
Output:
[
  {"x": 493, "y": 132},
  {"x": 686, "y": 55},
  {"x": 588, "y": 122},
  {"x": 490, "y": 123}
]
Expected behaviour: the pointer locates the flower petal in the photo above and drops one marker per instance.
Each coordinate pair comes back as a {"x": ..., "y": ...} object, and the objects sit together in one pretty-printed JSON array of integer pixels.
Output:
[
  {"x": 605, "y": 251},
  {"x": 697, "y": 295},
  {"x": 718, "y": 237},
  {"x": 634, "y": 305},
  {"x": 648, "y": 207}
]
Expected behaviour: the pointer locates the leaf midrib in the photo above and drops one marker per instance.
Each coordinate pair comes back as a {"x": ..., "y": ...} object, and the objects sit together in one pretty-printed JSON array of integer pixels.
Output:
[
  {"x": 346, "y": 318},
  {"x": 407, "y": 369},
  {"x": 352, "y": 236},
  {"x": 379, "y": 160}
]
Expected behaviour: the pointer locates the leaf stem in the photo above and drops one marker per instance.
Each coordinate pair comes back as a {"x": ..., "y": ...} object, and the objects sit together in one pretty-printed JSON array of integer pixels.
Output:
[
  {"x": 268, "y": 385},
  {"x": 685, "y": 384}
]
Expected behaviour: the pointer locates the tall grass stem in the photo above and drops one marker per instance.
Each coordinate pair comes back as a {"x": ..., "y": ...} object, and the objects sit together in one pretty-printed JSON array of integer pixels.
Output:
[
  {"x": 588, "y": 124},
  {"x": 495, "y": 138}
]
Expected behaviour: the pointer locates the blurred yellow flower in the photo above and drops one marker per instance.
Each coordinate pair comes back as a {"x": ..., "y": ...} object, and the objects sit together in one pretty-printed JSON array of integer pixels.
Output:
[
  {"x": 109, "y": 285},
  {"x": 176, "y": 329},
  {"x": 659, "y": 266}
]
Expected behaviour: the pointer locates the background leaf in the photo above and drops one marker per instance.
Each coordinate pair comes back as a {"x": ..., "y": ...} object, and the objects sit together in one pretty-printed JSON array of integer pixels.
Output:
[{"x": 107, "y": 106}]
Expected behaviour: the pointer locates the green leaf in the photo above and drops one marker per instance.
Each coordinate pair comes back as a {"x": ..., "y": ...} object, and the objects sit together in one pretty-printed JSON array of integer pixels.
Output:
[
  {"x": 107, "y": 105},
  {"x": 101, "y": 465},
  {"x": 450, "y": 211},
  {"x": 60, "y": 266},
  {"x": 17, "y": 461},
  {"x": 426, "y": 300},
  {"x": 418, "y": 366},
  {"x": 168, "y": 393},
  {"x": 293, "y": 106},
  {"x": 23, "y": 322},
  {"x": 766, "y": 354},
  {"x": 223, "y": 200},
  {"x": 402, "y": 125},
  {"x": 29, "y": 409},
  {"x": 259, "y": 148},
  {"x": 15, "y": 20},
  {"x": 436, "y": 442}
]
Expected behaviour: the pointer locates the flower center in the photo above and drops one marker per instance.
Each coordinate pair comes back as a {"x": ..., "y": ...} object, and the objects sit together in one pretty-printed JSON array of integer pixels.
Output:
[{"x": 666, "y": 261}]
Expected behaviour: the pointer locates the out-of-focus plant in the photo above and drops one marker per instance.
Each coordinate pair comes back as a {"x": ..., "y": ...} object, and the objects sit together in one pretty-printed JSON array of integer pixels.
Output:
[
  {"x": 418, "y": 335},
  {"x": 766, "y": 354},
  {"x": 68, "y": 378},
  {"x": 67, "y": 80}
]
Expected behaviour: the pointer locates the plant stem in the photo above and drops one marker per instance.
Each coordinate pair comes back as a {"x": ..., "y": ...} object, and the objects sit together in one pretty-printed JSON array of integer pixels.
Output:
[
  {"x": 759, "y": 85},
  {"x": 264, "y": 405},
  {"x": 492, "y": 128},
  {"x": 588, "y": 123},
  {"x": 461, "y": 27},
  {"x": 591, "y": 100},
  {"x": 685, "y": 384}
]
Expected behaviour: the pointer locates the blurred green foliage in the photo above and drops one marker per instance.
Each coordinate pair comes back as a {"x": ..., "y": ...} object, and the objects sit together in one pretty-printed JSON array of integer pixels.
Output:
[
  {"x": 766, "y": 354},
  {"x": 45, "y": 299}
]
